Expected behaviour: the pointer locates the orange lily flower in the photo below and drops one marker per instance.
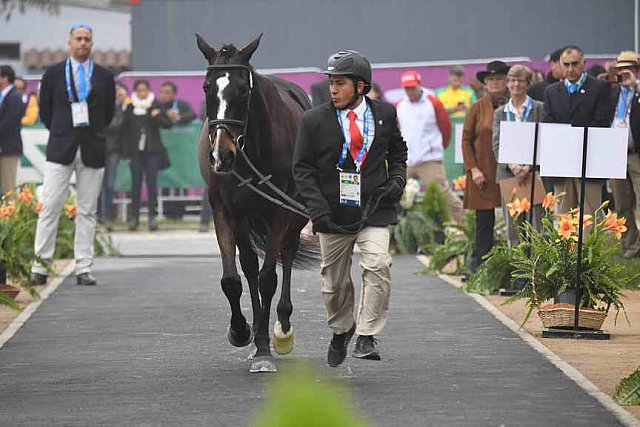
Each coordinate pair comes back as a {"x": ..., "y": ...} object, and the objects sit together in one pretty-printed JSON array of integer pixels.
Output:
[
  {"x": 38, "y": 207},
  {"x": 70, "y": 211},
  {"x": 549, "y": 202},
  {"x": 8, "y": 210},
  {"x": 25, "y": 196},
  {"x": 615, "y": 224},
  {"x": 460, "y": 183},
  {"x": 567, "y": 229},
  {"x": 518, "y": 207}
]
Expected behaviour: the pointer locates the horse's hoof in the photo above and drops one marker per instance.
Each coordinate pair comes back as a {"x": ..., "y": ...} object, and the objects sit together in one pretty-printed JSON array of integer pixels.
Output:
[
  {"x": 263, "y": 364},
  {"x": 282, "y": 343},
  {"x": 237, "y": 341}
]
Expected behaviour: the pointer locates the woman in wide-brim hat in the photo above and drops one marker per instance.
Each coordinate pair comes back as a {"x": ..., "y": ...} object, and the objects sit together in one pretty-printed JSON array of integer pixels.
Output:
[{"x": 482, "y": 193}]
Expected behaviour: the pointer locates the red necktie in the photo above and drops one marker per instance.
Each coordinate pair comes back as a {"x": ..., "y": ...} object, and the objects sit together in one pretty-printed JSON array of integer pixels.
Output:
[{"x": 356, "y": 136}]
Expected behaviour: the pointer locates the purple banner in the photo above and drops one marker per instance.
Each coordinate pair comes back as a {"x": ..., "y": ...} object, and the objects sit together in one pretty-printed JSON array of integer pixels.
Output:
[{"x": 433, "y": 76}]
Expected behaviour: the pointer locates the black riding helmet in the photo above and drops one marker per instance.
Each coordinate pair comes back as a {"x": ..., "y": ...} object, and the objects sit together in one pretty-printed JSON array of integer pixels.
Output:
[{"x": 351, "y": 64}]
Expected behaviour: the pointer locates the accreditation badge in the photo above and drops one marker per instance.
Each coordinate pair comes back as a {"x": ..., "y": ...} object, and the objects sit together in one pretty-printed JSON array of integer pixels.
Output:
[
  {"x": 350, "y": 189},
  {"x": 80, "y": 114}
]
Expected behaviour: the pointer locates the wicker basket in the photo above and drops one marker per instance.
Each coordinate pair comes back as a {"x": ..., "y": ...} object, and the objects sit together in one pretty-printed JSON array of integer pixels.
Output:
[
  {"x": 562, "y": 315},
  {"x": 9, "y": 291}
]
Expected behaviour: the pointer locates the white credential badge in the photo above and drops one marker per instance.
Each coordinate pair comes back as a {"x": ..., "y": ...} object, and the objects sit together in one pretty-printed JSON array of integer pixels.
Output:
[
  {"x": 80, "y": 114},
  {"x": 350, "y": 189}
]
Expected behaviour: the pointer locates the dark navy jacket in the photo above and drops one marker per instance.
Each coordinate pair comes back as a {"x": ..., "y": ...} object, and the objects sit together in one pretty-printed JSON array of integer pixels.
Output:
[
  {"x": 11, "y": 113},
  {"x": 55, "y": 111}
]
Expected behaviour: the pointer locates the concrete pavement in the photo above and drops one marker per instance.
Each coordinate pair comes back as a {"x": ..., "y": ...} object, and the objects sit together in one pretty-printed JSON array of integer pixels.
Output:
[{"x": 147, "y": 346}]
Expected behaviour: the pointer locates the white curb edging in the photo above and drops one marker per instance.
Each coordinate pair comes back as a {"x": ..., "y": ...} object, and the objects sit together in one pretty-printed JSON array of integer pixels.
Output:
[
  {"x": 17, "y": 323},
  {"x": 590, "y": 388}
]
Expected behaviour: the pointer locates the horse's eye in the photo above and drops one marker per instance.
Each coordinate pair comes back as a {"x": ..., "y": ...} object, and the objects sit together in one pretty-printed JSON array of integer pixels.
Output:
[{"x": 206, "y": 86}]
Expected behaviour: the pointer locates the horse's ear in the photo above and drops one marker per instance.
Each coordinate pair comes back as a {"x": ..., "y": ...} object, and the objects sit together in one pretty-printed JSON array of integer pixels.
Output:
[
  {"x": 208, "y": 52},
  {"x": 248, "y": 50}
]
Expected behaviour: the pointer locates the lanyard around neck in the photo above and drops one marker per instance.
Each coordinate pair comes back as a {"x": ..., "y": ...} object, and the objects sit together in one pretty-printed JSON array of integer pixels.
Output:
[
  {"x": 528, "y": 106},
  {"x": 71, "y": 89},
  {"x": 578, "y": 84},
  {"x": 345, "y": 146}
]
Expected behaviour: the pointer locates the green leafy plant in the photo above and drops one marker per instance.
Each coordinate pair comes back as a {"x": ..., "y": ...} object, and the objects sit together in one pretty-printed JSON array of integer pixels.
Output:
[
  {"x": 628, "y": 390},
  {"x": 413, "y": 231},
  {"x": 495, "y": 272},
  {"x": 434, "y": 204},
  {"x": 547, "y": 259},
  {"x": 457, "y": 247},
  {"x": 296, "y": 398},
  {"x": 18, "y": 219},
  {"x": 423, "y": 219}
]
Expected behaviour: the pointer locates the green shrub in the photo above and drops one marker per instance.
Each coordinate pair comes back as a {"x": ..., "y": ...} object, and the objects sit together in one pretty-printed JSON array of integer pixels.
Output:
[
  {"x": 628, "y": 391},
  {"x": 457, "y": 247},
  {"x": 434, "y": 204},
  {"x": 413, "y": 231},
  {"x": 296, "y": 398},
  {"x": 494, "y": 273}
]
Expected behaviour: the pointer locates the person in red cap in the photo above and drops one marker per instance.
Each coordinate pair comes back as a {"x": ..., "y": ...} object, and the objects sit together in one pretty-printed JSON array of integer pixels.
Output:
[{"x": 426, "y": 127}]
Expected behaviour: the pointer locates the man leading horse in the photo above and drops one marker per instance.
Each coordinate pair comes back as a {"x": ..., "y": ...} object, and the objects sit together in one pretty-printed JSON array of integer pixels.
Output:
[{"x": 350, "y": 168}]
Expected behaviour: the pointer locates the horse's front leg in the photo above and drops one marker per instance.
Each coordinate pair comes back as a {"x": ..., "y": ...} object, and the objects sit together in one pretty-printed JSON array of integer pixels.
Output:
[
  {"x": 240, "y": 333},
  {"x": 267, "y": 283},
  {"x": 283, "y": 338},
  {"x": 249, "y": 264}
]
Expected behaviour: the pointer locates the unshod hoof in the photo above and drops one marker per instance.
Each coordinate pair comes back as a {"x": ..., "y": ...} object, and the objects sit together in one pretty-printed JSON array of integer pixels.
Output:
[
  {"x": 263, "y": 364},
  {"x": 282, "y": 343},
  {"x": 240, "y": 341}
]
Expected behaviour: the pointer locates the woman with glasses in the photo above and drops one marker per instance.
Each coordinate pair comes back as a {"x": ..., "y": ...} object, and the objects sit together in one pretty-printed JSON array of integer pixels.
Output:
[{"x": 519, "y": 108}]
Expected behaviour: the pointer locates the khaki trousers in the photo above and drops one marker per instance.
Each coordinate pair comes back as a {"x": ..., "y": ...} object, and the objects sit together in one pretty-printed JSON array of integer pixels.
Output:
[
  {"x": 625, "y": 195},
  {"x": 571, "y": 200},
  {"x": 55, "y": 191},
  {"x": 428, "y": 172},
  {"x": 8, "y": 173},
  {"x": 337, "y": 287}
]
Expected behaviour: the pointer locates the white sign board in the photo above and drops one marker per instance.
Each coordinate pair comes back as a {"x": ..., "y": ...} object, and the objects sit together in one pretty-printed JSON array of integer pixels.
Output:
[
  {"x": 516, "y": 143},
  {"x": 561, "y": 152},
  {"x": 32, "y": 139},
  {"x": 457, "y": 140}
]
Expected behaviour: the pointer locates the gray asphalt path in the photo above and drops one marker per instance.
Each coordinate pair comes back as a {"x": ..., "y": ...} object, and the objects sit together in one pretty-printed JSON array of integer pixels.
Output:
[{"x": 148, "y": 347}]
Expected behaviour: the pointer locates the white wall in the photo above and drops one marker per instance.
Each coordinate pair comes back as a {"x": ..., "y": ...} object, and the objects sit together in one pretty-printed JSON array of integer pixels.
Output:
[{"x": 111, "y": 30}]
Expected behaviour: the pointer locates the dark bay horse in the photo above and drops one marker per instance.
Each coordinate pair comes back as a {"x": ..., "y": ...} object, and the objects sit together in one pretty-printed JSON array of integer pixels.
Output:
[{"x": 247, "y": 142}]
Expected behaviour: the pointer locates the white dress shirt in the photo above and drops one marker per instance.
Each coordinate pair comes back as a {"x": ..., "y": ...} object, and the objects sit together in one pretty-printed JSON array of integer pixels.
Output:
[{"x": 360, "y": 113}]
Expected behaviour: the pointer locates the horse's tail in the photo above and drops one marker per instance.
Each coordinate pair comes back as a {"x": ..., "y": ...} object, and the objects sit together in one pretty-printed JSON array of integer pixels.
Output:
[{"x": 308, "y": 254}]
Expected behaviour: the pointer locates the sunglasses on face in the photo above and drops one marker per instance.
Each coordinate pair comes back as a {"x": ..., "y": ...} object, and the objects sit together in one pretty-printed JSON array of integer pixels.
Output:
[{"x": 79, "y": 26}]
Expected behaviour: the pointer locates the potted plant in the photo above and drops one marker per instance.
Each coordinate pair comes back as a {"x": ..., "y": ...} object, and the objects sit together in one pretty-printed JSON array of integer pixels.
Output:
[{"x": 547, "y": 259}]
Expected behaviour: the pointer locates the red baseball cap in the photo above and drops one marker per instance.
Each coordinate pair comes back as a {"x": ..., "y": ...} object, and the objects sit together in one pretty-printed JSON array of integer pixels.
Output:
[{"x": 410, "y": 79}]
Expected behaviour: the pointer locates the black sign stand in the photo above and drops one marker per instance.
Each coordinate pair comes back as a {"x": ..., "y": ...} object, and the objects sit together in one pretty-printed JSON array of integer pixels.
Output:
[
  {"x": 534, "y": 164},
  {"x": 577, "y": 332}
]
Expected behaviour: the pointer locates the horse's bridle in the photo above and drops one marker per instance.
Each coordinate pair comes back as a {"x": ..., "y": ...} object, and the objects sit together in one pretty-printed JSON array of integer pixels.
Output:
[
  {"x": 215, "y": 124},
  {"x": 285, "y": 201}
]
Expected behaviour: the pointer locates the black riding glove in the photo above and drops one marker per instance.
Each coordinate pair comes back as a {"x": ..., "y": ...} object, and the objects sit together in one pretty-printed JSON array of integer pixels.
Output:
[{"x": 394, "y": 188}]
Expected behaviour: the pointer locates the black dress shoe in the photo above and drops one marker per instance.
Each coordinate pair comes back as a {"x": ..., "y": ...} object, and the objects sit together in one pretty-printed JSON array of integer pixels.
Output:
[
  {"x": 86, "y": 279},
  {"x": 38, "y": 279},
  {"x": 366, "y": 348},
  {"x": 133, "y": 225},
  {"x": 338, "y": 347}
]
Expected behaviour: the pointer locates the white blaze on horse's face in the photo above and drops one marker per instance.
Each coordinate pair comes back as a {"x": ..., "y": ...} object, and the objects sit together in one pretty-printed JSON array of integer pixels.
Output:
[{"x": 221, "y": 83}]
